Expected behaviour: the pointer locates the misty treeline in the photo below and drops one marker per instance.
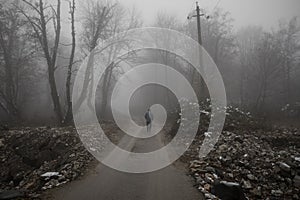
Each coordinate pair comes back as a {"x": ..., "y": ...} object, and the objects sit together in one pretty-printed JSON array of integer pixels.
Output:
[
  {"x": 41, "y": 50},
  {"x": 260, "y": 68},
  {"x": 43, "y": 42}
]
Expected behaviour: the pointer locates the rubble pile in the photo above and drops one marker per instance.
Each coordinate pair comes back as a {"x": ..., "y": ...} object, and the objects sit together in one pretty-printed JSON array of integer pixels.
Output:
[
  {"x": 237, "y": 118},
  {"x": 264, "y": 165},
  {"x": 35, "y": 159}
]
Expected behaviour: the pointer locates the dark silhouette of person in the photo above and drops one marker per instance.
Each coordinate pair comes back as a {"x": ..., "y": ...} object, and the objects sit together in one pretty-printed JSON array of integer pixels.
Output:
[{"x": 149, "y": 118}]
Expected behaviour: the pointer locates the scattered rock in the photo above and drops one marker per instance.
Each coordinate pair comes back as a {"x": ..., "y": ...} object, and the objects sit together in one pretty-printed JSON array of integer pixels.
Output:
[
  {"x": 1, "y": 143},
  {"x": 11, "y": 194},
  {"x": 296, "y": 181},
  {"x": 285, "y": 167},
  {"x": 50, "y": 174},
  {"x": 257, "y": 192},
  {"x": 246, "y": 184},
  {"x": 4, "y": 127},
  {"x": 228, "y": 190},
  {"x": 264, "y": 164},
  {"x": 251, "y": 177},
  {"x": 277, "y": 193},
  {"x": 32, "y": 159}
]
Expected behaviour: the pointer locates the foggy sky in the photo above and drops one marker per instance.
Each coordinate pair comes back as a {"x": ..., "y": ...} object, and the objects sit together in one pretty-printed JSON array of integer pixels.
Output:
[
  {"x": 265, "y": 13},
  {"x": 245, "y": 12}
]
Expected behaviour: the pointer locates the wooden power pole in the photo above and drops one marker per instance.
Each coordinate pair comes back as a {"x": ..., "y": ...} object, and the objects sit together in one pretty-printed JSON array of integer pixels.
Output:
[
  {"x": 199, "y": 23},
  {"x": 201, "y": 81}
]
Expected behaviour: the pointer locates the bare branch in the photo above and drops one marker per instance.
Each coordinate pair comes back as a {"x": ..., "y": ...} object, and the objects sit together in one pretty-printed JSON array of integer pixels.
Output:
[{"x": 32, "y": 6}]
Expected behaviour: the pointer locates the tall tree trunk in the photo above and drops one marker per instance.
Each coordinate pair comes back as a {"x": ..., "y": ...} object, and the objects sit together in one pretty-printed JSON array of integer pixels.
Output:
[
  {"x": 9, "y": 91},
  {"x": 86, "y": 82},
  {"x": 39, "y": 25},
  {"x": 105, "y": 89},
  {"x": 288, "y": 71},
  {"x": 51, "y": 60},
  {"x": 242, "y": 103},
  {"x": 68, "y": 116}
]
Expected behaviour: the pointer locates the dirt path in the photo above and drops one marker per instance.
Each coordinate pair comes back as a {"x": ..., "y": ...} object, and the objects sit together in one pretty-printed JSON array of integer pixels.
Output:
[{"x": 104, "y": 183}]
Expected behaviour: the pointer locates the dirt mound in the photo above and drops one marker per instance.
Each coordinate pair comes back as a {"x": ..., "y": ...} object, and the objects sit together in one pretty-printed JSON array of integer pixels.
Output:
[{"x": 27, "y": 154}]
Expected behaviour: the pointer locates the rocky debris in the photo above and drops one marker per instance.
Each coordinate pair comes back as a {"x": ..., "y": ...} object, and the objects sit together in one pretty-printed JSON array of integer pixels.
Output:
[
  {"x": 296, "y": 181},
  {"x": 36, "y": 159},
  {"x": 50, "y": 174},
  {"x": 264, "y": 164},
  {"x": 4, "y": 127},
  {"x": 11, "y": 194},
  {"x": 1, "y": 143},
  {"x": 228, "y": 190}
]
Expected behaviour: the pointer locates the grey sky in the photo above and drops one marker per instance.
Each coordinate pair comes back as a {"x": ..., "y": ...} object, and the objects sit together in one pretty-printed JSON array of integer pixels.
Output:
[
  {"x": 245, "y": 12},
  {"x": 265, "y": 13}
]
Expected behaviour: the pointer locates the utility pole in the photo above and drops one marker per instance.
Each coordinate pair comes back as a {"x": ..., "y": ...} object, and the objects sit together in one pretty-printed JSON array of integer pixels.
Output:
[
  {"x": 198, "y": 15},
  {"x": 201, "y": 82},
  {"x": 199, "y": 23}
]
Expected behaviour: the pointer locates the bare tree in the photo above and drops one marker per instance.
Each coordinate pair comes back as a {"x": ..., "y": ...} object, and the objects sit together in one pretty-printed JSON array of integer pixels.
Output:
[
  {"x": 68, "y": 116},
  {"x": 247, "y": 40},
  {"x": 267, "y": 59},
  {"x": 15, "y": 56},
  {"x": 122, "y": 21},
  {"x": 288, "y": 36},
  {"x": 167, "y": 21},
  {"x": 96, "y": 16},
  {"x": 268, "y": 65},
  {"x": 218, "y": 36},
  {"x": 42, "y": 15},
  {"x": 101, "y": 20}
]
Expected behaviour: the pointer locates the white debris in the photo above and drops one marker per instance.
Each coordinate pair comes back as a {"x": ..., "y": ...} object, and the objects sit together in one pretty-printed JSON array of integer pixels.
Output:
[
  {"x": 297, "y": 159},
  {"x": 92, "y": 149},
  {"x": 207, "y": 134},
  {"x": 204, "y": 112},
  {"x": 50, "y": 174}
]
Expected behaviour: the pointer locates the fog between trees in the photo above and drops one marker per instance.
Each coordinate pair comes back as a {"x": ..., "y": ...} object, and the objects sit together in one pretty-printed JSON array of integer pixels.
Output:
[{"x": 39, "y": 60}]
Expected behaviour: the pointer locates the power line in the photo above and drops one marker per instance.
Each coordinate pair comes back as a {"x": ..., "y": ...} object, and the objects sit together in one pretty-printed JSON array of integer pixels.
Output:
[
  {"x": 216, "y": 6},
  {"x": 191, "y": 11}
]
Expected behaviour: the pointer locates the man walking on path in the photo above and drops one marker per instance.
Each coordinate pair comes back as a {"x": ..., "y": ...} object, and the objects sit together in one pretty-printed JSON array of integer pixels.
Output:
[{"x": 149, "y": 118}]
